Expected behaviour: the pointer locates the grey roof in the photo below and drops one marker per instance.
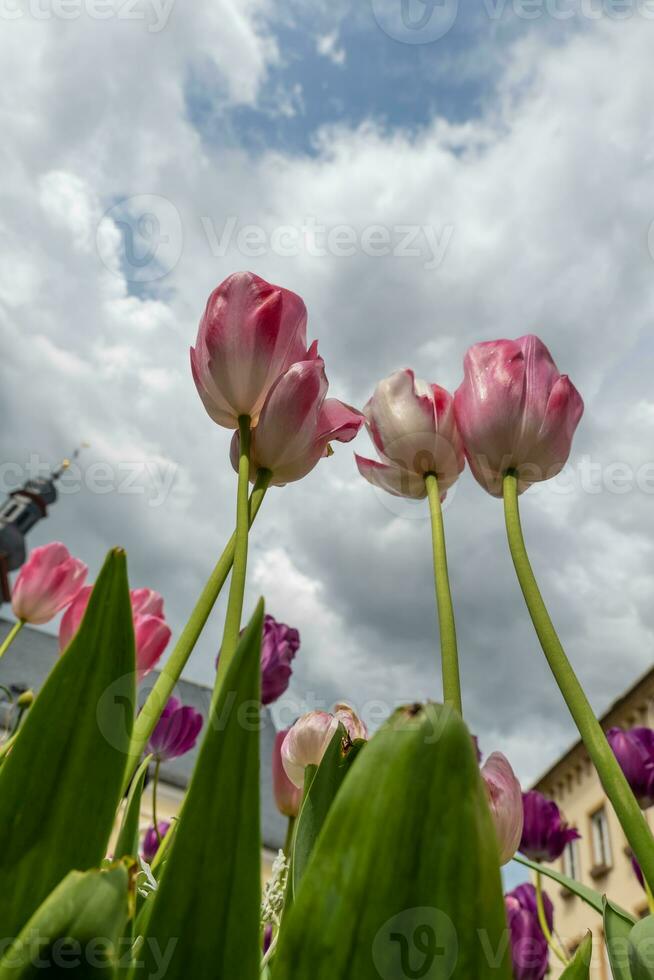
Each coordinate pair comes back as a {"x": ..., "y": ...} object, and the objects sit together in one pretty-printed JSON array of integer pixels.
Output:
[{"x": 34, "y": 652}]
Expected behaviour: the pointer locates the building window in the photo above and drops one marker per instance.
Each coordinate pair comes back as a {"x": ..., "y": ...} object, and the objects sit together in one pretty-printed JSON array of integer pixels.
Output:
[
  {"x": 571, "y": 860},
  {"x": 600, "y": 839}
]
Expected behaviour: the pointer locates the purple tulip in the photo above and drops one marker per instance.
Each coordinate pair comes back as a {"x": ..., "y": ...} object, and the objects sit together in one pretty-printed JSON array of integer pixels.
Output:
[
  {"x": 279, "y": 645},
  {"x": 529, "y": 949},
  {"x": 634, "y": 750},
  {"x": 150, "y": 843},
  {"x": 544, "y": 833},
  {"x": 176, "y": 731}
]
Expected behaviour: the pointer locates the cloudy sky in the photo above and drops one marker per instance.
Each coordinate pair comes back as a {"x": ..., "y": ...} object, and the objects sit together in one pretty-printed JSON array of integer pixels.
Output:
[{"x": 425, "y": 178}]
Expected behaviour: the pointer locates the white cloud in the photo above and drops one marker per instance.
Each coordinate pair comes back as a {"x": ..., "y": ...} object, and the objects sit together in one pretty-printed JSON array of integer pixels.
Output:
[
  {"x": 327, "y": 45},
  {"x": 550, "y": 198}
]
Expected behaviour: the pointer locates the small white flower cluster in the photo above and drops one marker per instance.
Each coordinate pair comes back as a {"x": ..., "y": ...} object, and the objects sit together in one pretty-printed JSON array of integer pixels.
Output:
[
  {"x": 272, "y": 903},
  {"x": 146, "y": 881}
]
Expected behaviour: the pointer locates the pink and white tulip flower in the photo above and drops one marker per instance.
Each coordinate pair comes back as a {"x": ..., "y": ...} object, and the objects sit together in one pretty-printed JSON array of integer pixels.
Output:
[
  {"x": 250, "y": 333},
  {"x": 515, "y": 412},
  {"x": 413, "y": 428},
  {"x": 297, "y": 423},
  {"x": 505, "y": 801},
  {"x": 151, "y": 631},
  {"x": 307, "y": 740},
  {"x": 288, "y": 796},
  {"x": 48, "y": 581}
]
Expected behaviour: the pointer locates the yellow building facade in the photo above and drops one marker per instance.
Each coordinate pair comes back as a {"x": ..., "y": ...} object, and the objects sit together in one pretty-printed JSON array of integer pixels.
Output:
[{"x": 601, "y": 858}]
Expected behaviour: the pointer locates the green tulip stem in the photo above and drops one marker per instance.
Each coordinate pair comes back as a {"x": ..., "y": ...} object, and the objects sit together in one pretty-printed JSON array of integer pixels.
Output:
[
  {"x": 449, "y": 652},
  {"x": 171, "y": 671},
  {"x": 155, "y": 787},
  {"x": 237, "y": 583},
  {"x": 11, "y": 636},
  {"x": 650, "y": 898},
  {"x": 611, "y": 776},
  {"x": 289, "y": 837},
  {"x": 544, "y": 925}
]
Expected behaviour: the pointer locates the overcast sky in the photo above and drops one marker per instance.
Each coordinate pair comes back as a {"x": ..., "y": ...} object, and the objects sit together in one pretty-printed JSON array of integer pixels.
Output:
[{"x": 509, "y": 162}]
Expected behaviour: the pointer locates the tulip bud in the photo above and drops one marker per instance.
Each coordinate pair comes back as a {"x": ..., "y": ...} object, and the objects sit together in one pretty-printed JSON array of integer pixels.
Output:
[
  {"x": 297, "y": 423},
  {"x": 251, "y": 332},
  {"x": 307, "y": 740},
  {"x": 151, "y": 632},
  {"x": 529, "y": 948},
  {"x": 505, "y": 800},
  {"x": 279, "y": 644},
  {"x": 515, "y": 412},
  {"x": 25, "y": 700},
  {"x": 150, "y": 843},
  {"x": 413, "y": 428},
  {"x": 287, "y": 796},
  {"x": 47, "y": 582},
  {"x": 634, "y": 750},
  {"x": 176, "y": 731},
  {"x": 544, "y": 833}
]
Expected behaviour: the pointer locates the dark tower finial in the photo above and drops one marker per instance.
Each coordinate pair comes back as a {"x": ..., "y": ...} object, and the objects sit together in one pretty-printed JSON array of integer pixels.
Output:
[{"x": 22, "y": 509}]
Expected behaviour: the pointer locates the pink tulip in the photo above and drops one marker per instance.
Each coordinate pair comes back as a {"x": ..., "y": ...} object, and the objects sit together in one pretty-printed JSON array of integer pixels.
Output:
[
  {"x": 515, "y": 412},
  {"x": 287, "y": 796},
  {"x": 251, "y": 332},
  {"x": 412, "y": 426},
  {"x": 297, "y": 423},
  {"x": 151, "y": 632},
  {"x": 505, "y": 801},
  {"x": 147, "y": 602},
  {"x": 47, "y": 582},
  {"x": 307, "y": 740}
]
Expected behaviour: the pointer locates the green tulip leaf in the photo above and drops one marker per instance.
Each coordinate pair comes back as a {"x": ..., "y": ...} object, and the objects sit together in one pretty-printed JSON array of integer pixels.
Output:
[
  {"x": 641, "y": 949},
  {"x": 325, "y": 785},
  {"x": 579, "y": 968},
  {"x": 76, "y": 932},
  {"x": 617, "y": 929},
  {"x": 588, "y": 895},
  {"x": 404, "y": 878},
  {"x": 60, "y": 785},
  {"x": 207, "y": 905}
]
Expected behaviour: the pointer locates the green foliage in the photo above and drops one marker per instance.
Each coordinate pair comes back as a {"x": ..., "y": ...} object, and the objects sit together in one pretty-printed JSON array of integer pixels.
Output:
[
  {"x": 617, "y": 928},
  {"x": 586, "y": 894},
  {"x": 404, "y": 875},
  {"x": 579, "y": 968},
  {"x": 76, "y": 931},
  {"x": 60, "y": 784},
  {"x": 208, "y": 902},
  {"x": 641, "y": 949}
]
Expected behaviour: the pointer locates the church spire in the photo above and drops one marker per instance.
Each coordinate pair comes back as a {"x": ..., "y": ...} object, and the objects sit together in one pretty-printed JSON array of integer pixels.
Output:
[{"x": 22, "y": 509}]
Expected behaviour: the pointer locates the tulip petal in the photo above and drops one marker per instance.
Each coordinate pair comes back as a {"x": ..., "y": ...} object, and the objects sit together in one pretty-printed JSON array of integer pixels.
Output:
[
  {"x": 505, "y": 800},
  {"x": 250, "y": 333},
  {"x": 338, "y": 421},
  {"x": 399, "y": 482}
]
